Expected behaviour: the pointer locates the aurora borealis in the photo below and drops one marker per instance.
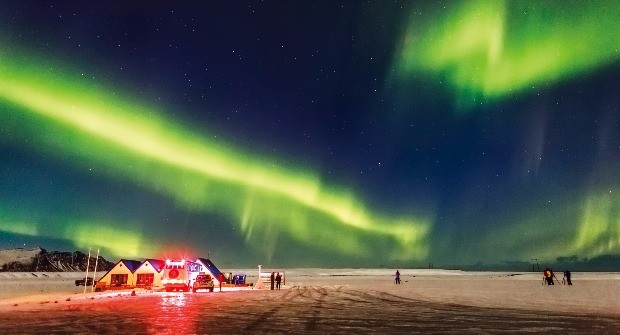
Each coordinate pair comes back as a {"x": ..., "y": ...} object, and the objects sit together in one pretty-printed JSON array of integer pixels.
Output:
[
  {"x": 496, "y": 48},
  {"x": 312, "y": 134}
]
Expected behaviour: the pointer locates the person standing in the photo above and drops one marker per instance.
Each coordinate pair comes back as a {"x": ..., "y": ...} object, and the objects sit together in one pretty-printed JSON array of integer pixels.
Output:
[
  {"x": 548, "y": 276},
  {"x": 567, "y": 278},
  {"x": 278, "y": 281},
  {"x": 397, "y": 275},
  {"x": 220, "y": 278}
]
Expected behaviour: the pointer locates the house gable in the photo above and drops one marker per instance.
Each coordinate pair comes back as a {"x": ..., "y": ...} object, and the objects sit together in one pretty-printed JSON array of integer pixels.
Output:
[
  {"x": 123, "y": 267},
  {"x": 157, "y": 264}
]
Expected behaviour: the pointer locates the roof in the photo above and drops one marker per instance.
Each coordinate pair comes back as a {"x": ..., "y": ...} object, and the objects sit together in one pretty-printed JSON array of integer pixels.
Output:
[
  {"x": 157, "y": 264},
  {"x": 209, "y": 265},
  {"x": 131, "y": 264}
]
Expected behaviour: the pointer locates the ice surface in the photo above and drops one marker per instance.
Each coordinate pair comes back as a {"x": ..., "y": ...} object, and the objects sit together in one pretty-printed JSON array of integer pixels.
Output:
[{"x": 323, "y": 301}]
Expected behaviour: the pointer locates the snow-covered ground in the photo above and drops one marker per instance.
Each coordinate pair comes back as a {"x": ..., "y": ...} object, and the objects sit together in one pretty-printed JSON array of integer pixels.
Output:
[{"x": 325, "y": 301}]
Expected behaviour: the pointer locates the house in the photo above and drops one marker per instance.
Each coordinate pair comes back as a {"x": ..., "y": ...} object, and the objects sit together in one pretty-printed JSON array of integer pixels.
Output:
[
  {"x": 149, "y": 274},
  {"x": 208, "y": 267},
  {"x": 121, "y": 275}
]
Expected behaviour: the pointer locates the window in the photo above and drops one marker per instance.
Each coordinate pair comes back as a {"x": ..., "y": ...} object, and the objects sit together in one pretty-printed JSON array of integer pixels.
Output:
[
  {"x": 145, "y": 279},
  {"x": 193, "y": 267},
  {"x": 118, "y": 280}
]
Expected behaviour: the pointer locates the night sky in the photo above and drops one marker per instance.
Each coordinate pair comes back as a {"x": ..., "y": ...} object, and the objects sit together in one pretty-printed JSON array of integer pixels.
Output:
[{"x": 312, "y": 133}]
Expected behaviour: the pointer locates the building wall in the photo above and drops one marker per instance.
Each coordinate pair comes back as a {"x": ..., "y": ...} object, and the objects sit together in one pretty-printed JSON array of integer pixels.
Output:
[
  {"x": 146, "y": 268},
  {"x": 121, "y": 269}
]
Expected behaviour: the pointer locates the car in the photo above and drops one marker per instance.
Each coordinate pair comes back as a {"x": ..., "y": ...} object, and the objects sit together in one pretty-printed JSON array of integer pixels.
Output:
[
  {"x": 239, "y": 279},
  {"x": 203, "y": 282},
  {"x": 88, "y": 281}
]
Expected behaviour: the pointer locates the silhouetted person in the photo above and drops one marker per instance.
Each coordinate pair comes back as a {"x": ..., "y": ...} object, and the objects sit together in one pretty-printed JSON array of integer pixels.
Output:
[
  {"x": 220, "y": 278},
  {"x": 397, "y": 279},
  {"x": 567, "y": 278},
  {"x": 278, "y": 281},
  {"x": 548, "y": 276}
]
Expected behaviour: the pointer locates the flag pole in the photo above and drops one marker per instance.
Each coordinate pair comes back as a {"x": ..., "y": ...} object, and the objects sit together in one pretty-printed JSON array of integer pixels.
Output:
[
  {"x": 95, "y": 274},
  {"x": 87, "y": 265}
]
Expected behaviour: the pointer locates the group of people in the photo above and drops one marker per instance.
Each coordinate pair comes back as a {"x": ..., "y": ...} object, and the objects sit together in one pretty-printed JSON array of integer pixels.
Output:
[{"x": 548, "y": 277}]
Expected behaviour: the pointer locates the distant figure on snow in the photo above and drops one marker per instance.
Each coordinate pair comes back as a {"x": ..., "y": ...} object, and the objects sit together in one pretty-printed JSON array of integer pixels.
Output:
[
  {"x": 548, "y": 276},
  {"x": 220, "y": 278},
  {"x": 397, "y": 279},
  {"x": 567, "y": 278},
  {"x": 278, "y": 281}
]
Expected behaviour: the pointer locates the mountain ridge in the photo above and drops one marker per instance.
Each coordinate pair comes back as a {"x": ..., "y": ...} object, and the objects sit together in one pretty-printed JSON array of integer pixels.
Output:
[{"x": 40, "y": 260}]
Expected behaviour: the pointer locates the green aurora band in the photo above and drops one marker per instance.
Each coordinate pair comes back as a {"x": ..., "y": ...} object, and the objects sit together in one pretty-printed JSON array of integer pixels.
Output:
[
  {"x": 588, "y": 227},
  {"x": 489, "y": 50},
  {"x": 482, "y": 50},
  {"x": 73, "y": 119},
  {"x": 497, "y": 48}
]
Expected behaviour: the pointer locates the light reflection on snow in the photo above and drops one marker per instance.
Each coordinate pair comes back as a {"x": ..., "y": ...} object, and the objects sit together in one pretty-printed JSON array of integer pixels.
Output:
[
  {"x": 176, "y": 300},
  {"x": 176, "y": 315}
]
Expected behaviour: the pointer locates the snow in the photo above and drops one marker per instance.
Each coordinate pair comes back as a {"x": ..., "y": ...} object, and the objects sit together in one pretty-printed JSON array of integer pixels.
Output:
[{"x": 328, "y": 300}]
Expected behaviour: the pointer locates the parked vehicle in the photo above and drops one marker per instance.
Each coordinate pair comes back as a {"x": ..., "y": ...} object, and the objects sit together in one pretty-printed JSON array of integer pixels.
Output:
[
  {"x": 88, "y": 281},
  {"x": 176, "y": 276},
  {"x": 238, "y": 279},
  {"x": 203, "y": 282}
]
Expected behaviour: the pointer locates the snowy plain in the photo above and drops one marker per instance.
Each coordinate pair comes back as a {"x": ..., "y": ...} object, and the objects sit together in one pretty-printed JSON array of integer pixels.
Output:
[{"x": 337, "y": 301}]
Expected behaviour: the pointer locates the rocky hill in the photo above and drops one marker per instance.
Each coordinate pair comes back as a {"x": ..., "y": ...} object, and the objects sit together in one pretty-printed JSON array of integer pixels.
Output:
[{"x": 39, "y": 260}]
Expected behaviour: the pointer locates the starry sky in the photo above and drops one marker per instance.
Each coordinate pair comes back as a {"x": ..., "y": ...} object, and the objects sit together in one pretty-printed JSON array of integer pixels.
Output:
[{"x": 312, "y": 133}]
